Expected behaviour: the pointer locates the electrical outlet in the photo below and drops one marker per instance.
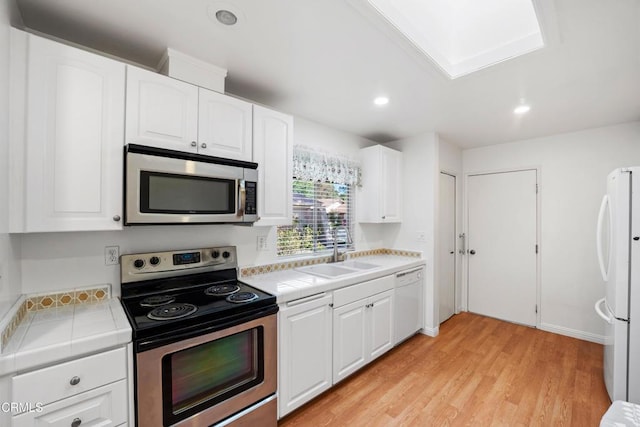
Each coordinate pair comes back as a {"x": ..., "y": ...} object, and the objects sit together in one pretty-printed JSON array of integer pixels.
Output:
[
  {"x": 262, "y": 243},
  {"x": 111, "y": 255},
  {"x": 421, "y": 236}
]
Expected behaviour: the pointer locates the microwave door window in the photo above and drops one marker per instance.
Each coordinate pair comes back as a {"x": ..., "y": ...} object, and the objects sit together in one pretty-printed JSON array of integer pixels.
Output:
[{"x": 169, "y": 193}]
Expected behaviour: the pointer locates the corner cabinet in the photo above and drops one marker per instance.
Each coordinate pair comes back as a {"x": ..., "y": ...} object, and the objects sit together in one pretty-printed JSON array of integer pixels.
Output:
[
  {"x": 305, "y": 342},
  {"x": 273, "y": 151},
  {"x": 167, "y": 113},
  {"x": 379, "y": 198},
  {"x": 69, "y": 168}
]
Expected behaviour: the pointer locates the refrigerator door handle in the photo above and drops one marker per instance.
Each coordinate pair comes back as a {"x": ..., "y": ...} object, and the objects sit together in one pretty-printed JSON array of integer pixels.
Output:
[
  {"x": 605, "y": 205},
  {"x": 607, "y": 318}
]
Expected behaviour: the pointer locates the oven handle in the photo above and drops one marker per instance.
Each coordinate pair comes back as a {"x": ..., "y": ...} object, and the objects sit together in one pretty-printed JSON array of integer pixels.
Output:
[{"x": 242, "y": 197}]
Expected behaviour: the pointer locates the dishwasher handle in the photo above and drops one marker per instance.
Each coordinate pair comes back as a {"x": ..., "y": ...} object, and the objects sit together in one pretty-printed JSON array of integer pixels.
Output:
[{"x": 404, "y": 273}]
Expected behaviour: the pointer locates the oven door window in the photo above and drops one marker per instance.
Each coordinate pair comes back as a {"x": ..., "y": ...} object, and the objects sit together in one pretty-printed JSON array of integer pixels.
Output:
[
  {"x": 200, "y": 377},
  {"x": 185, "y": 194}
]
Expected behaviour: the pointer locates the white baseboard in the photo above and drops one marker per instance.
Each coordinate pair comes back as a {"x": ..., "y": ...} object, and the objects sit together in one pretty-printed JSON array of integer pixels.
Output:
[
  {"x": 574, "y": 333},
  {"x": 431, "y": 332}
]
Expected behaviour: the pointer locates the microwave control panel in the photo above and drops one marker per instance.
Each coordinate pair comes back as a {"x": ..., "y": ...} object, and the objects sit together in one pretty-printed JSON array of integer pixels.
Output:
[{"x": 251, "y": 207}]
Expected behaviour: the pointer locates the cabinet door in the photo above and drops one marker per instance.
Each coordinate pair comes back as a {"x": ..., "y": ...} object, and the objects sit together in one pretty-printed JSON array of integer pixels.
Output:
[
  {"x": 391, "y": 166},
  {"x": 224, "y": 126},
  {"x": 273, "y": 151},
  {"x": 103, "y": 406},
  {"x": 74, "y": 111},
  {"x": 349, "y": 339},
  {"x": 380, "y": 322},
  {"x": 161, "y": 111},
  {"x": 305, "y": 352}
]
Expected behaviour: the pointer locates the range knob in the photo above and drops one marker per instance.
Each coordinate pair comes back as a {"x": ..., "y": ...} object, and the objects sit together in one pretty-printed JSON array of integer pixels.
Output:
[
  {"x": 154, "y": 260},
  {"x": 139, "y": 263},
  {"x": 226, "y": 254},
  {"x": 215, "y": 254}
]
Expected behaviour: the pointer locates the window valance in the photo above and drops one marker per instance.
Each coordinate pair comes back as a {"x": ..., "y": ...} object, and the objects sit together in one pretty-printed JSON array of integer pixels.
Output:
[{"x": 313, "y": 165}]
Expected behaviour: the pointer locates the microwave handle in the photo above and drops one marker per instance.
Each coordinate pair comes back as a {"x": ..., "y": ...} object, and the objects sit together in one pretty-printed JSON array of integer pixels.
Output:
[{"x": 242, "y": 197}]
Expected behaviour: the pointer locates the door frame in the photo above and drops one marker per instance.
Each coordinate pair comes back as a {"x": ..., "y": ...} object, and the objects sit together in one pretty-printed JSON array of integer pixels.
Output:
[
  {"x": 458, "y": 268},
  {"x": 465, "y": 261}
]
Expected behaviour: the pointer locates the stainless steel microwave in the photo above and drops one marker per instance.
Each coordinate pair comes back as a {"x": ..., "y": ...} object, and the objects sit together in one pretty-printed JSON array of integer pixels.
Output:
[{"x": 171, "y": 187}]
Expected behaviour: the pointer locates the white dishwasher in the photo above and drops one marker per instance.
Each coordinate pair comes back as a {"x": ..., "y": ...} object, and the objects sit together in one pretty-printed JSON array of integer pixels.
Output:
[{"x": 408, "y": 303}]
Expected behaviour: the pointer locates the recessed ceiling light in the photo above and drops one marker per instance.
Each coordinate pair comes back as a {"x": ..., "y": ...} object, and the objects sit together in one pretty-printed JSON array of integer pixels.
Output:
[
  {"x": 521, "y": 109},
  {"x": 226, "y": 17},
  {"x": 381, "y": 100}
]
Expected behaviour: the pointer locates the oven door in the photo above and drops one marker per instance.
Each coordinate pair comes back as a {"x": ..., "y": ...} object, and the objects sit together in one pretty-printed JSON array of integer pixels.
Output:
[
  {"x": 203, "y": 380},
  {"x": 171, "y": 190}
]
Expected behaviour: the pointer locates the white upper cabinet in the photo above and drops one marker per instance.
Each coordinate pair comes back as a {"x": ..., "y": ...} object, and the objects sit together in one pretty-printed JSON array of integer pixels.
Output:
[
  {"x": 224, "y": 126},
  {"x": 273, "y": 151},
  {"x": 380, "y": 197},
  {"x": 161, "y": 111},
  {"x": 168, "y": 113},
  {"x": 71, "y": 160}
]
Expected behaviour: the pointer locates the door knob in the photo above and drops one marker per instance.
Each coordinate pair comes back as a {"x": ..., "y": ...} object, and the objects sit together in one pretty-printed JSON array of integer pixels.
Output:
[
  {"x": 472, "y": 251},
  {"x": 451, "y": 253}
]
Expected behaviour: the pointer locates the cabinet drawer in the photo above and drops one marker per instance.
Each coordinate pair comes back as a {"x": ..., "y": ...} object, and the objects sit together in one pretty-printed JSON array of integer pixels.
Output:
[
  {"x": 362, "y": 290},
  {"x": 54, "y": 383},
  {"x": 104, "y": 406}
]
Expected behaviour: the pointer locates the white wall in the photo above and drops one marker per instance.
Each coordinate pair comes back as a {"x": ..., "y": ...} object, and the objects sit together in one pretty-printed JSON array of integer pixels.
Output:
[
  {"x": 420, "y": 174},
  {"x": 574, "y": 167},
  {"x": 53, "y": 261},
  {"x": 9, "y": 247}
]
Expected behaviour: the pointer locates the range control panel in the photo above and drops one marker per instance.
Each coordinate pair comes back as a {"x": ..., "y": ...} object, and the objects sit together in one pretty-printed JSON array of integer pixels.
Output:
[{"x": 152, "y": 265}]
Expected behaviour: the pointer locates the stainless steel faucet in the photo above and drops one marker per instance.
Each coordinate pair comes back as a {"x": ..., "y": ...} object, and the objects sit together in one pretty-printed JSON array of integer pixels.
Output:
[{"x": 336, "y": 254}]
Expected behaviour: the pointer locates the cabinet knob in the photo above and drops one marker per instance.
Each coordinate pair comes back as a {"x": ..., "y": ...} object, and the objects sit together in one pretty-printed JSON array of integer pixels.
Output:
[
  {"x": 331, "y": 305},
  {"x": 76, "y": 422},
  {"x": 203, "y": 145},
  {"x": 75, "y": 380},
  {"x": 194, "y": 144},
  {"x": 384, "y": 217},
  {"x": 116, "y": 218}
]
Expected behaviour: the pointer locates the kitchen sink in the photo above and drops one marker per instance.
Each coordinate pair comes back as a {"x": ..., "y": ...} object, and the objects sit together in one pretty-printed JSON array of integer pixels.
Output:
[
  {"x": 358, "y": 265},
  {"x": 336, "y": 269},
  {"x": 327, "y": 270}
]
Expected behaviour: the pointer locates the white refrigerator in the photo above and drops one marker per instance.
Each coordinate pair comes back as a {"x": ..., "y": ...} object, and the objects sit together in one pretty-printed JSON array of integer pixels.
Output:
[{"x": 618, "y": 247}]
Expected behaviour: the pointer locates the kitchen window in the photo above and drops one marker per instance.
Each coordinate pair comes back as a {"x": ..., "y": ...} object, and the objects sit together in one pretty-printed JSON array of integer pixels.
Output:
[{"x": 323, "y": 204}]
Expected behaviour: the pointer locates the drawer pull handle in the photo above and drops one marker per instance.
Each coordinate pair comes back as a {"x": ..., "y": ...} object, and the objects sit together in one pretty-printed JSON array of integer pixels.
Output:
[
  {"x": 75, "y": 381},
  {"x": 76, "y": 422}
]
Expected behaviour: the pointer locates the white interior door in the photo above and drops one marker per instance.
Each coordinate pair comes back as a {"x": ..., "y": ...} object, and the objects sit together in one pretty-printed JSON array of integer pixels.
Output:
[
  {"x": 447, "y": 246},
  {"x": 502, "y": 245}
]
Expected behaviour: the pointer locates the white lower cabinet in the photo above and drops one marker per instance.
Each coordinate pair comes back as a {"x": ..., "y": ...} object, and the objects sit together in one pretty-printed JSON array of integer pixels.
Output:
[
  {"x": 304, "y": 369},
  {"x": 326, "y": 337},
  {"x": 92, "y": 390},
  {"x": 104, "y": 406},
  {"x": 362, "y": 331}
]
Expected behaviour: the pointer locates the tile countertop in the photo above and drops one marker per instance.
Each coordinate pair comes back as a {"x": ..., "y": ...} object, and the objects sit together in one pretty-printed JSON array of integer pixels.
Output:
[
  {"x": 56, "y": 334},
  {"x": 289, "y": 285}
]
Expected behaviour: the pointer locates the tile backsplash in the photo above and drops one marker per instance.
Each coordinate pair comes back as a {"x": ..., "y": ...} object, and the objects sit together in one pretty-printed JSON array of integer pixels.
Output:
[{"x": 288, "y": 265}]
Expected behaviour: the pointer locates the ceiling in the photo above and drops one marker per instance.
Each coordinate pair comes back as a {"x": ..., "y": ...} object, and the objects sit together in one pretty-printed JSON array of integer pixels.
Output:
[{"x": 326, "y": 61}]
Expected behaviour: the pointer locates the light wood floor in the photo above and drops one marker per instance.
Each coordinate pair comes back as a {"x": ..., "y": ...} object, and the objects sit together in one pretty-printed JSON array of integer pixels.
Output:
[{"x": 479, "y": 371}]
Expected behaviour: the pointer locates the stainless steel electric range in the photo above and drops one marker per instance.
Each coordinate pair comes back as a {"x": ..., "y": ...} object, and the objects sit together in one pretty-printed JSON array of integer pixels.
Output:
[{"x": 205, "y": 343}]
